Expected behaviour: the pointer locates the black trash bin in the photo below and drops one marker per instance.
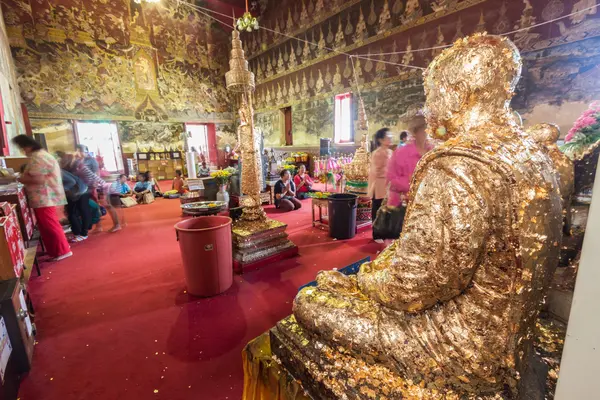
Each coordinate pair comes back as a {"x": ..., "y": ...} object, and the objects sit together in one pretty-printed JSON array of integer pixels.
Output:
[{"x": 342, "y": 215}]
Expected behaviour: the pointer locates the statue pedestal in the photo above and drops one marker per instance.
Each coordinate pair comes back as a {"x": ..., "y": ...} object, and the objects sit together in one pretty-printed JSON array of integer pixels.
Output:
[
  {"x": 257, "y": 243},
  {"x": 326, "y": 373}
]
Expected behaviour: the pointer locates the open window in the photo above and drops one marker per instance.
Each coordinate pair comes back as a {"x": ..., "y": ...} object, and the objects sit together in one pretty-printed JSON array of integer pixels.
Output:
[{"x": 343, "y": 119}]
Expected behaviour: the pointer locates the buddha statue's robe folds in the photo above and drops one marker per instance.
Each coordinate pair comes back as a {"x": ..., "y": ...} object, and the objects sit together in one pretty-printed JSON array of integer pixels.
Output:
[{"x": 449, "y": 309}]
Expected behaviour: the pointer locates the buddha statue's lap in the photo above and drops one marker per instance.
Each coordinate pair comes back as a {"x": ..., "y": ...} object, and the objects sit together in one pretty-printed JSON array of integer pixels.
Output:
[{"x": 456, "y": 297}]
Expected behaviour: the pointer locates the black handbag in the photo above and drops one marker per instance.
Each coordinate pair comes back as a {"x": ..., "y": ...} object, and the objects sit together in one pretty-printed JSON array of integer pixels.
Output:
[{"x": 388, "y": 222}]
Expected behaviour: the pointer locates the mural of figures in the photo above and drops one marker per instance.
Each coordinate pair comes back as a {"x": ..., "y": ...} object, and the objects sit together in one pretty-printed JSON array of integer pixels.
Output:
[
  {"x": 145, "y": 136},
  {"x": 104, "y": 58}
]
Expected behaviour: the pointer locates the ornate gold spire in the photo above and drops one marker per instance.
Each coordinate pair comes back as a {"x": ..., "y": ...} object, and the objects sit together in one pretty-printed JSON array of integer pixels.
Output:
[{"x": 238, "y": 79}]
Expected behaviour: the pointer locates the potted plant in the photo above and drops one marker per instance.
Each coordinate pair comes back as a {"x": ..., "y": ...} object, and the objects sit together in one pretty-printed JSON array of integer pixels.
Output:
[
  {"x": 222, "y": 177},
  {"x": 291, "y": 168}
]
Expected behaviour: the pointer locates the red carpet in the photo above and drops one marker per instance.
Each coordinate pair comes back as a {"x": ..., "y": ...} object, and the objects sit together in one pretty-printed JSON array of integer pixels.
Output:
[{"x": 114, "y": 321}]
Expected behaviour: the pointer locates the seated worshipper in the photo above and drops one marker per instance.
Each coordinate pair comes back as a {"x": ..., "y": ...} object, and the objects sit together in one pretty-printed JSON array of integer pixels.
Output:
[
  {"x": 285, "y": 192},
  {"x": 179, "y": 182},
  {"x": 303, "y": 183},
  {"x": 119, "y": 189},
  {"x": 142, "y": 187},
  {"x": 203, "y": 171},
  {"x": 155, "y": 187}
]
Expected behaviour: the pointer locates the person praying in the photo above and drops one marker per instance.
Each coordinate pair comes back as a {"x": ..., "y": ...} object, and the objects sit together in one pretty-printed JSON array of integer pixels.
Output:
[
  {"x": 285, "y": 193},
  {"x": 303, "y": 182}
]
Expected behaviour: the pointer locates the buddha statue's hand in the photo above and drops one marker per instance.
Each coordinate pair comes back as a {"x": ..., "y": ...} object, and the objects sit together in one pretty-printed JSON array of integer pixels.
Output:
[{"x": 336, "y": 282}]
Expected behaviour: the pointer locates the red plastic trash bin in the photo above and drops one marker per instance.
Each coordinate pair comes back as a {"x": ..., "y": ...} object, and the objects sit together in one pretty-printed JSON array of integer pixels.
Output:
[{"x": 205, "y": 244}]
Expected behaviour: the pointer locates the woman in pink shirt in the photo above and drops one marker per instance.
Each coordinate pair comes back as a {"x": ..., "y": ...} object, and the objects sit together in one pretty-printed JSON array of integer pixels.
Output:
[
  {"x": 380, "y": 157},
  {"x": 303, "y": 182},
  {"x": 404, "y": 161}
]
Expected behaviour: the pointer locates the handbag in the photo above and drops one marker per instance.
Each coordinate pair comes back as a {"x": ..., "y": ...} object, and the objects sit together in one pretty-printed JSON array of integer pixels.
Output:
[
  {"x": 148, "y": 198},
  {"x": 388, "y": 222},
  {"x": 128, "y": 202}
]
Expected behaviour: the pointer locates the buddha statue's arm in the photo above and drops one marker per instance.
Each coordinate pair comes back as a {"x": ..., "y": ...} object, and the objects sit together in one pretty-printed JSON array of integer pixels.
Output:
[{"x": 443, "y": 236}]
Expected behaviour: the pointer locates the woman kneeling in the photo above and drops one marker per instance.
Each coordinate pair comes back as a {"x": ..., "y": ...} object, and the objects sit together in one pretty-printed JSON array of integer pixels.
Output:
[{"x": 285, "y": 192}]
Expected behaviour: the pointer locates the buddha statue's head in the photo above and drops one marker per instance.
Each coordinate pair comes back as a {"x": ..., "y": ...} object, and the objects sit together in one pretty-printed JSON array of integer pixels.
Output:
[
  {"x": 544, "y": 134},
  {"x": 471, "y": 84}
]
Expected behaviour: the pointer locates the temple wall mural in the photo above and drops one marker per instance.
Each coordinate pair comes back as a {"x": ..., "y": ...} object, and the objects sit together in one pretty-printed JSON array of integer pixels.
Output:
[
  {"x": 300, "y": 75},
  {"x": 95, "y": 59},
  {"x": 11, "y": 98},
  {"x": 118, "y": 61}
]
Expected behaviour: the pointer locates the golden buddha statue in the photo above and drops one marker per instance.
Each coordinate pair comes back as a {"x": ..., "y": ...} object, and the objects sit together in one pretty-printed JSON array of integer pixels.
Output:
[
  {"x": 451, "y": 306},
  {"x": 547, "y": 135}
]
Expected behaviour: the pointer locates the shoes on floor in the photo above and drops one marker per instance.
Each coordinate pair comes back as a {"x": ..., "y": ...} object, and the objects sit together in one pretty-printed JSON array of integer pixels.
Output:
[
  {"x": 78, "y": 238},
  {"x": 59, "y": 258}
]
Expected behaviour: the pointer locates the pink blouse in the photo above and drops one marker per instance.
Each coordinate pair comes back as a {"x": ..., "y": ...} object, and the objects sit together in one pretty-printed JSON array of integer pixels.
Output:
[{"x": 400, "y": 170}]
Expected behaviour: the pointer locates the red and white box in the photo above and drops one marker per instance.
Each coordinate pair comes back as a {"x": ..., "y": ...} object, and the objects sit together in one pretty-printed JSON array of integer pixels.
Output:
[
  {"x": 26, "y": 214},
  {"x": 5, "y": 209},
  {"x": 12, "y": 249}
]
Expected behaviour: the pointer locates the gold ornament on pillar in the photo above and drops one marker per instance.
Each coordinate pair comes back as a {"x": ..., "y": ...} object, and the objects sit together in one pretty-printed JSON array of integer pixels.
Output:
[{"x": 241, "y": 81}]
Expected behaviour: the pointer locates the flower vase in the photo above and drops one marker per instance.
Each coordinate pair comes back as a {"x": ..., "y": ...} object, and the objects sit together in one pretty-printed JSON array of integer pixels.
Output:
[{"x": 223, "y": 195}]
